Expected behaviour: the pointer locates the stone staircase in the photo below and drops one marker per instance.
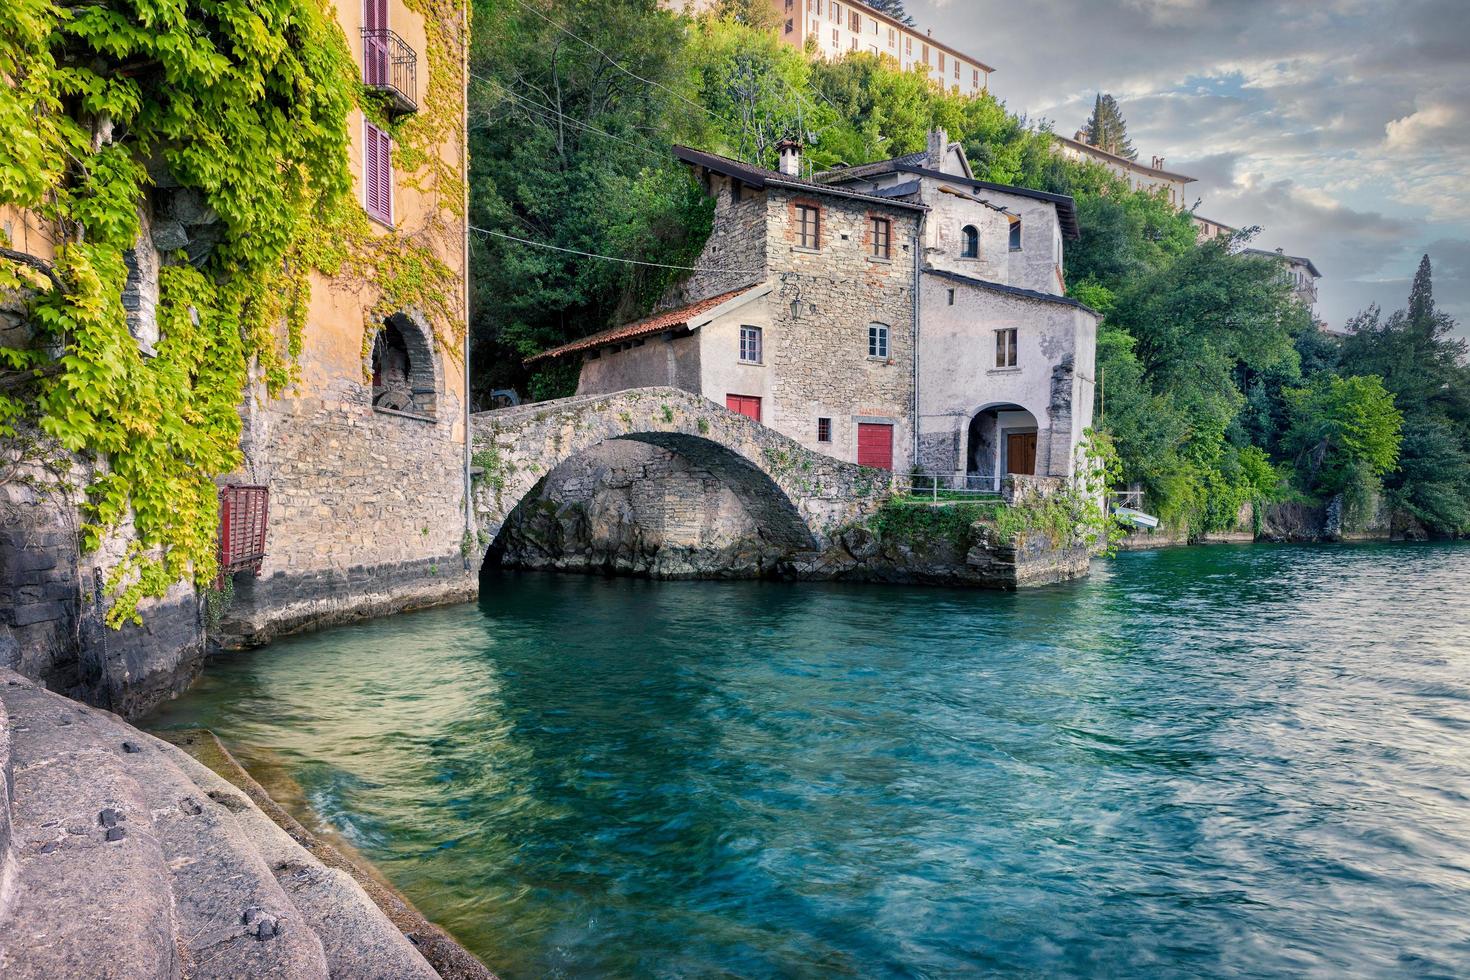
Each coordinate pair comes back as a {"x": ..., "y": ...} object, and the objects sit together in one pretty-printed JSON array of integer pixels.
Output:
[{"x": 123, "y": 857}]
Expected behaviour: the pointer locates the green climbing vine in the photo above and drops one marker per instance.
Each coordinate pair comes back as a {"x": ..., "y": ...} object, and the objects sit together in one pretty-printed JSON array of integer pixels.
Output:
[{"x": 247, "y": 103}]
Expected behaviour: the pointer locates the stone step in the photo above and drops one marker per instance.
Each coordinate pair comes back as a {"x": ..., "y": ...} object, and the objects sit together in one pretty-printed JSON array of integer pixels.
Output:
[
  {"x": 234, "y": 919},
  {"x": 360, "y": 941},
  {"x": 129, "y": 859},
  {"x": 89, "y": 891}
]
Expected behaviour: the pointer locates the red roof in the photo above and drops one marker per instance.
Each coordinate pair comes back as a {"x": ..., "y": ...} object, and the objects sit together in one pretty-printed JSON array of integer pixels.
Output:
[{"x": 656, "y": 324}]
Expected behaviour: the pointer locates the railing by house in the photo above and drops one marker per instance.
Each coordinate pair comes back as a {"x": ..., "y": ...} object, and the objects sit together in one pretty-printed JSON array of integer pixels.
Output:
[
  {"x": 243, "y": 513},
  {"x": 949, "y": 486},
  {"x": 390, "y": 66}
]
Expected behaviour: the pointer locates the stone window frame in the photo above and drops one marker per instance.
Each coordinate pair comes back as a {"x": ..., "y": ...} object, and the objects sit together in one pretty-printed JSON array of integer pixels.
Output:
[
  {"x": 969, "y": 242},
  {"x": 824, "y": 429},
  {"x": 424, "y": 369},
  {"x": 754, "y": 351},
  {"x": 799, "y": 207},
  {"x": 880, "y": 347}
]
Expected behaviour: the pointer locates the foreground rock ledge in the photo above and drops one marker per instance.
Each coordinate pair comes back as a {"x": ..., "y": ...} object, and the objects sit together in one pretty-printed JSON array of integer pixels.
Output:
[{"x": 123, "y": 857}]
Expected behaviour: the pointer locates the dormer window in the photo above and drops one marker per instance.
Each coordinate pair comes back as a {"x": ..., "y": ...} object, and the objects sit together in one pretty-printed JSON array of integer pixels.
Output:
[
  {"x": 1015, "y": 234},
  {"x": 970, "y": 238}
]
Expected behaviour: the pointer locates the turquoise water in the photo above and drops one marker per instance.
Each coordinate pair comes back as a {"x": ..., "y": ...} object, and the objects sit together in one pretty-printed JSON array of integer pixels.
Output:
[{"x": 1226, "y": 761}]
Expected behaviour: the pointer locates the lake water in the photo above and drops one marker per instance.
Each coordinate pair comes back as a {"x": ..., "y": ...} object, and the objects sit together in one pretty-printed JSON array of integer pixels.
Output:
[{"x": 1226, "y": 761}]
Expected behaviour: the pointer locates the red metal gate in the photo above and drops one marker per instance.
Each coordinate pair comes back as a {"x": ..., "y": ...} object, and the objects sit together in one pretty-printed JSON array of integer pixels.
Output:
[
  {"x": 243, "y": 512},
  {"x": 875, "y": 445}
]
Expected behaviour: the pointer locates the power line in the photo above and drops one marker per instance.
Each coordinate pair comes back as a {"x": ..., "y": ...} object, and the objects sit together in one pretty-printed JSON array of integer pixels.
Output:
[
  {"x": 616, "y": 258},
  {"x": 531, "y": 104},
  {"x": 784, "y": 276},
  {"x": 616, "y": 64}
]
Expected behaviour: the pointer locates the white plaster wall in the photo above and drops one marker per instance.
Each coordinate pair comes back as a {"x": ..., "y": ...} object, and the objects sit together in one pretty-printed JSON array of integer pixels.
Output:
[
  {"x": 953, "y": 207},
  {"x": 958, "y": 376},
  {"x": 658, "y": 361},
  {"x": 721, "y": 370},
  {"x": 1038, "y": 264}
]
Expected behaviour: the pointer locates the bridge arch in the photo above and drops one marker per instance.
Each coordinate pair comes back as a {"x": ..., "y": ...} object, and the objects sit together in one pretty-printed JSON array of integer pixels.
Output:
[{"x": 797, "y": 496}]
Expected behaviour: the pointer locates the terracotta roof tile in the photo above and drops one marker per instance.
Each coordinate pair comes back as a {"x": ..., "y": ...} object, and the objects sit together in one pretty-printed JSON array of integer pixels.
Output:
[{"x": 647, "y": 327}]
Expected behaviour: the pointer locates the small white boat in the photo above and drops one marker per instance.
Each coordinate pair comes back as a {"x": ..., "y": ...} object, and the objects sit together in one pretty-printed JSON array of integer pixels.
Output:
[{"x": 1136, "y": 517}]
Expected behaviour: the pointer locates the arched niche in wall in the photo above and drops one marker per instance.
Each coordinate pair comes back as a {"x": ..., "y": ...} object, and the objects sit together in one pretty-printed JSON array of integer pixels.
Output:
[{"x": 404, "y": 373}]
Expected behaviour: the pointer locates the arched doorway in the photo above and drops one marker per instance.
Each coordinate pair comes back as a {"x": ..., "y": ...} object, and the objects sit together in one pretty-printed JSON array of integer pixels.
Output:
[{"x": 1003, "y": 440}]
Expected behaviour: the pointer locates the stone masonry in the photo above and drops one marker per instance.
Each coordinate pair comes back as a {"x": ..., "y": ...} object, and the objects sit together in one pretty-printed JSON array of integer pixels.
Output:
[{"x": 797, "y": 497}]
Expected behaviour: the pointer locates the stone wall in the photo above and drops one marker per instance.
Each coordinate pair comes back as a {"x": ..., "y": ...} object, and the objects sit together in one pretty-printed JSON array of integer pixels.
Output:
[
  {"x": 821, "y": 366},
  {"x": 366, "y": 512},
  {"x": 53, "y": 604},
  {"x": 635, "y": 509},
  {"x": 734, "y": 255}
]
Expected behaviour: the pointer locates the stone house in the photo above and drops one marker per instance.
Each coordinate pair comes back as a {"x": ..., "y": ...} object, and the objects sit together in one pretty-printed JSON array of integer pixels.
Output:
[
  {"x": 364, "y": 458},
  {"x": 1005, "y": 357},
  {"x": 900, "y": 314},
  {"x": 801, "y": 316}
]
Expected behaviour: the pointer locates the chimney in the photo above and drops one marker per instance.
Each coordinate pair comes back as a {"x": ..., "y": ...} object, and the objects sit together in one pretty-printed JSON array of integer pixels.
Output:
[
  {"x": 938, "y": 146},
  {"x": 1081, "y": 136},
  {"x": 790, "y": 150}
]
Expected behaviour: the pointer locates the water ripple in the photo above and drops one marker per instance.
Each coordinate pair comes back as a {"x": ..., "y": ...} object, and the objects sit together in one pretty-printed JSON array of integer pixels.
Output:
[{"x": 1207, "y": 762}]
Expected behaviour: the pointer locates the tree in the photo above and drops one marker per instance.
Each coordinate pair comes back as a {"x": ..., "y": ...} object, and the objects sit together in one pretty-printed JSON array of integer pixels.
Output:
[
  {"x": 893, "y": 8},
  {"x": 758, "y": 14},
  {"x": 558, "y": 134},
  {"x": 1107, "y": 130},
  {"x": 1344, "y": 433},
  {"x": 1421, "y": 361}
]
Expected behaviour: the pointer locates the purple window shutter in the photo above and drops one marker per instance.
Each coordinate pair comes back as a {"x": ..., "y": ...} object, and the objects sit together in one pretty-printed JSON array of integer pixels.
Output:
[
  {"x": 374, "y": 45},
  {"x": 378, "y": 154}
]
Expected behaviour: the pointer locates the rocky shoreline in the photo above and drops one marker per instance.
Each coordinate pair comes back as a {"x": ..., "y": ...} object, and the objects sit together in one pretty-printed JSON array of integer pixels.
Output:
[{"x": 126, "y": 857}]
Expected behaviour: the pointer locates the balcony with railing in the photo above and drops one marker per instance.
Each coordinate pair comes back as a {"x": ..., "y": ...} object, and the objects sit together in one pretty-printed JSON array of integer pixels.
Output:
[{"x": 390, "y": 66}]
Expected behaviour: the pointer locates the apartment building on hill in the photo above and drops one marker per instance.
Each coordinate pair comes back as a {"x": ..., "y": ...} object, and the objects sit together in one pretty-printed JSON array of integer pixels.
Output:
[{"x": 839, "y": 27}]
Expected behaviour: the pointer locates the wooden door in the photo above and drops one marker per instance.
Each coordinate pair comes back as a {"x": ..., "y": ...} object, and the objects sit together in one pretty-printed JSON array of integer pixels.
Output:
[
  {"x": 748, "y": 405},
  {"x": 875, "y": 445},
  {"x": 1021, "y": 453}
]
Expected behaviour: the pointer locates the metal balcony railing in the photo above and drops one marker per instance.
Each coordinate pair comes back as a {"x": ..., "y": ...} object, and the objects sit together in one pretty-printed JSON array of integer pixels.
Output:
[{"x": 391, "y": 66}]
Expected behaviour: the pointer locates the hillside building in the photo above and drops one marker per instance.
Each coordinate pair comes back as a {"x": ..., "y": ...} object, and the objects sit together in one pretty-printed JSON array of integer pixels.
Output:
[
  {"x": 1151, "y": 178},
  {"x": 833, "y": 28},
  {"x": 1300, "y": 271},
  {"x": 900, "y": 314}
]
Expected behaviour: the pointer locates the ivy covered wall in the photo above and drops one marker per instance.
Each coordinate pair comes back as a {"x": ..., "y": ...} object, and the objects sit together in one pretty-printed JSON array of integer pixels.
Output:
[{"x": 249, "y": 107}]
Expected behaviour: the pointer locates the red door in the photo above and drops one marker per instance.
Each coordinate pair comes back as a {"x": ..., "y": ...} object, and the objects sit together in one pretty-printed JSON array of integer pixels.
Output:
[
  {"x": 748, "y": 405},
  {"x": 875, "y": 445}
]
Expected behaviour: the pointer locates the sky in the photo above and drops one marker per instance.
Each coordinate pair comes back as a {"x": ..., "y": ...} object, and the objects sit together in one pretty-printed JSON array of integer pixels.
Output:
[{"x": 1341, "y": 127}]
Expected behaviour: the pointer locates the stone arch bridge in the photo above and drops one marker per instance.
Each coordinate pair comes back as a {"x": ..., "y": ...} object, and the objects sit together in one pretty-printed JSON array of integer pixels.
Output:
[{"x": 798, "y": 497}]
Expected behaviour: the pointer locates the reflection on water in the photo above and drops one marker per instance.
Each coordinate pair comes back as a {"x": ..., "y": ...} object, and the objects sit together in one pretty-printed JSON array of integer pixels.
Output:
[{"x": 1224, "y": 761}]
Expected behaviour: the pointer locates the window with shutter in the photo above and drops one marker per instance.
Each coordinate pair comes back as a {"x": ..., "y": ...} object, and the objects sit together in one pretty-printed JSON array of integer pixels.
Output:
[{"x": 377, "y": 173}]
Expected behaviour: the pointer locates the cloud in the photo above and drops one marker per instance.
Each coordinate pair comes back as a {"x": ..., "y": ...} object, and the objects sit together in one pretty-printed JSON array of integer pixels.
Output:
[
  {"x": 1341, "y": 126},
  {"x": 1434, "y": 127}
]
